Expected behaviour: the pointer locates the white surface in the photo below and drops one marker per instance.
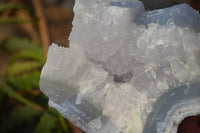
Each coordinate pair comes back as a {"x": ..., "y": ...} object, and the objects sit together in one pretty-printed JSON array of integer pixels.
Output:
[{"x": 127, "y": 70}]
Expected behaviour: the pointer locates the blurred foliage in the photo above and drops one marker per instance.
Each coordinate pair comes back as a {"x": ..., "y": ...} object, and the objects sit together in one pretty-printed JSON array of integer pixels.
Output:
[
  {"x": 8, "y": 6},
  {"x": 23, "y": 108},
  {"x": 21, "y": 102}
]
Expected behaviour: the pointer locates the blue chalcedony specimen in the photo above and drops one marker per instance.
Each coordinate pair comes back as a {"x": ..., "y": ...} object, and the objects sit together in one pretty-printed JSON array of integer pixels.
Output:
[{"x": 127, "y": 70}]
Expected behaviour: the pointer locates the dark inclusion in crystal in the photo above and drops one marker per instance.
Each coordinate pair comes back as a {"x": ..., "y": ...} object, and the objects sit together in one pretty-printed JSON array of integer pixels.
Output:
[{"x": 122, "y": 78}]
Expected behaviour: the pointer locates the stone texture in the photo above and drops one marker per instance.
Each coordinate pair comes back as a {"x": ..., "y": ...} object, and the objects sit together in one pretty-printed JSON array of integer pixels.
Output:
[{"x": 127, "y": 70}]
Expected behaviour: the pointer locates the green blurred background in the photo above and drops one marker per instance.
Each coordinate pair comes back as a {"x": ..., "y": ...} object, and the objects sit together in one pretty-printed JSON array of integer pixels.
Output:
[{"x": 27, "y": 27}]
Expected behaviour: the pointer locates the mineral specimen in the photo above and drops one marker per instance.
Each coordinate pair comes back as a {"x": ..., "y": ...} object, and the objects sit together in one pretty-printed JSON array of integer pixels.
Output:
[{"x": 127, "y": 70}]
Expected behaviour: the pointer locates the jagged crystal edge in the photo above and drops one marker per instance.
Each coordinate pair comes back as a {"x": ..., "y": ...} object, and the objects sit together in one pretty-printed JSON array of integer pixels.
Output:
[{"x": 108, "y": 90}]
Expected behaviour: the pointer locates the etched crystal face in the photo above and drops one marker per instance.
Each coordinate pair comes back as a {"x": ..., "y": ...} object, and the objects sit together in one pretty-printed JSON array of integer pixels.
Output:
[{"x": 127, "y": 70}]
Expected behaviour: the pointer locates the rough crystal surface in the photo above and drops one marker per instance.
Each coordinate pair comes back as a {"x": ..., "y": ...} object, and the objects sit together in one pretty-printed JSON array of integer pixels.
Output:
[{"x": 127, "y": 70}]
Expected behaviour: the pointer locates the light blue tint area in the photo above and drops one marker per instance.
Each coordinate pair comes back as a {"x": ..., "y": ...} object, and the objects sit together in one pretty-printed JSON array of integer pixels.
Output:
[{"x": 127, "y": 70}]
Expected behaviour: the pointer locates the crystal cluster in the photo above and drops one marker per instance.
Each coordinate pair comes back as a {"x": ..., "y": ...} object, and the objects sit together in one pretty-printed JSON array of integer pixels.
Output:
[{"x": 127, "y": 70}]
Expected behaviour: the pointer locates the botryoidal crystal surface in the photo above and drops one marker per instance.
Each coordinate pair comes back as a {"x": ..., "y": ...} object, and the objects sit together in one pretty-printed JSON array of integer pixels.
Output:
[{"x": 127, "y": 70}]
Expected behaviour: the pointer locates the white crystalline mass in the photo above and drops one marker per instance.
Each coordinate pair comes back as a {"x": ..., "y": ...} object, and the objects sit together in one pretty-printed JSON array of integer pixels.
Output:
[{"x": 127, "y": 70}]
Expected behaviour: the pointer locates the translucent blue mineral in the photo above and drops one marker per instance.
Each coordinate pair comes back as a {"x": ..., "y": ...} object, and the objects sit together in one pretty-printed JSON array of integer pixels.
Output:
[{"x": 127, "y": 70}]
